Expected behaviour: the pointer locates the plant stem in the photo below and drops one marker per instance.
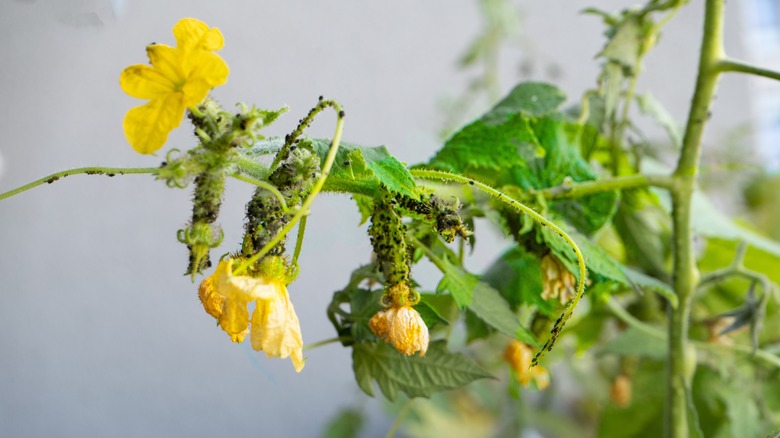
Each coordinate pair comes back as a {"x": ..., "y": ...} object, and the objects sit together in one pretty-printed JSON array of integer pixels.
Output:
[
  {"x": 573, "y": 190},
  {"x": 265, "y": 185},
  {"x": 108, "y": 171},
  {"x": 304, "y": 208},
  {"x": 631, "y": 321},
  {"x": 686, "y": 275},
  {"x": 522, "y": 208},
  {"x": 329, "y": 341},
  {"x": 400, "y": 419},
  {"x": 734, "y": 66}
]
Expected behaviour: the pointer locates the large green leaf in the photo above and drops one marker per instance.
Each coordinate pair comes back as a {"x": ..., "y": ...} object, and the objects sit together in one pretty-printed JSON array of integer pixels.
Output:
[
  {"x": 414, "y": 376},
  {"x": 523, "y": 142},
  {"x": 536, "y": 99},
  {"x": 633, "y": 342}
]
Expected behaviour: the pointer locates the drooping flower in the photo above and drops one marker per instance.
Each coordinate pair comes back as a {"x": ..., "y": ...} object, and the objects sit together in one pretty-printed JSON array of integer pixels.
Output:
[
  {"x": 179, "y": 78},
  {"x": 620, "y": 390},
  {"x": 400, "y": 324},
  {"x": 519, "y": 356},
  {"x": 558, "y": 282},
  {"x": 275, "y": 327}
]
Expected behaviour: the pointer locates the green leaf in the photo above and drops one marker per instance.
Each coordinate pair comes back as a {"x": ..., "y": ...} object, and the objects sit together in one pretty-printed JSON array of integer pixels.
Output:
[
  {"x": 415, "y": 376},
  {"x": 458, "y": 282},
  {"x": 535, "y": 99},
  {"x": 490, "y": 307},
  {"x": 346, "y": 424},
  {"x": 429, "y": 314},
  {"x": 646, "y": 282},
  {"x": 483, "y": 300},
  {"x": 624, "y": 47},
  {"x": 365, "y": 167},
  {"x": 708, "y": 221},
  {"x": 633, "y": 342},
  {"x": 517, "y": 276},
  {"x": 357, "y": 169},
  {"x": 648, "y": 105}
]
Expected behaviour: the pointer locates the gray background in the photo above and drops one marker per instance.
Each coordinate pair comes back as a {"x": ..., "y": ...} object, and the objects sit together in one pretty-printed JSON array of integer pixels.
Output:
[{"x": 100, "y": 334}]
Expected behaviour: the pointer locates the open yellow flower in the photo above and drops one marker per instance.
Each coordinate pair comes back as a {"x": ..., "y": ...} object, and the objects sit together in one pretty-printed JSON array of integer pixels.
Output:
[
  {"x": 519, "y": 356},
  {"x": 275, "y": 328},
  {"x": 179, "y": 78}
]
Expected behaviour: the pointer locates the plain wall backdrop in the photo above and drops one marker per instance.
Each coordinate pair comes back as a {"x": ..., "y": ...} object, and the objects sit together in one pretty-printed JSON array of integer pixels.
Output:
[{"x": 100, "y": 333}]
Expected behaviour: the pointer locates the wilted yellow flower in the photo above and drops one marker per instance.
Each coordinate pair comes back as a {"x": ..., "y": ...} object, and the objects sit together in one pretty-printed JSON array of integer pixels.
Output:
[
  {"x": 275, "y": 326},
  {"x": 519, "y": 356},
  {"x": 403, "y": 327},
  {"x": 620, "y": 391},
  {"x": 180, "y": 77},
  {"x": 557, "y": 281}
]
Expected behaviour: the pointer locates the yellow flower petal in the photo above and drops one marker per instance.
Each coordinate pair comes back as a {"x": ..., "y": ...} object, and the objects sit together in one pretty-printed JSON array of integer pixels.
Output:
[
  {"x": 212, "y": 301},
  {"x": 147, "y": 126},
  {"x": 276, "y": 329},
  {"x": 240, "y": 287},
  {"x": 170, "y": 62},
  {"x": 144, "y": 82},
  {"x": 235, "y": 320},
  {"x": 194, "y": 34},
  {"x": 380, "y": 322},
  {"x": 207, "y": 66},
  {"x": 408, "y": 332}
]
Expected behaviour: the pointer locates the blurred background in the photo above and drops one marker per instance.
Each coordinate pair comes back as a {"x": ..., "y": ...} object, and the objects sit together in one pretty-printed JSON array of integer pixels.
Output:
[{"x": 102, "y": 335}]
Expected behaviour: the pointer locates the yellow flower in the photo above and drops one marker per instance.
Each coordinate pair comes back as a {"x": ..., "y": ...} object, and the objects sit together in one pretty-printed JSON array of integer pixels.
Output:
[
  {"x": 403, "y": 327},
  {"x": 519, "y": 356},
  {"x": 180, "y": 77},
  {"x": 275, "y": 326},
  {"x": 557, "y": 281}
]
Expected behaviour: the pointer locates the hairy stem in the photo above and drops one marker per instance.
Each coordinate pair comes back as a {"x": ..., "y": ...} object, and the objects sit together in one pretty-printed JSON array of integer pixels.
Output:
[
  {"x": 304, "y": 209},
  {"x": 686, "y": 276},
  {"x": 522, "y": 208},
  {"x": 108, "y": 171}
]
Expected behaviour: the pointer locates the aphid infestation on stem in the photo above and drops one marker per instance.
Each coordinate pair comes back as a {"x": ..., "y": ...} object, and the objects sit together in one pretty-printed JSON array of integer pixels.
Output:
[{"x": 533, "y": 168}]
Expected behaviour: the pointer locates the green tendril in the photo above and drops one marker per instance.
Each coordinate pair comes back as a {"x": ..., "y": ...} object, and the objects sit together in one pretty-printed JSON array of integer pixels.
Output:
[{"x": 556, "y": 330}]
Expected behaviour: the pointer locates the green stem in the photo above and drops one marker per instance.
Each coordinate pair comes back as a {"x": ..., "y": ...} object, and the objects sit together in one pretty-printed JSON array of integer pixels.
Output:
[
  {"x": 734, "y": 66},
  {"x": 108, "y": 171},
  {"x": 304, "y": 209},
  {"x": 318, "y": 344},
  {"x": 631, "y": 321},
  {"x": 686, "y": 275},
  {"x": 265, "y": 185},
  {"x": 299, "y": 241},
  {"x": 446, "y": 176},
  {"x": 569, "y": 189},
  {"x": 400, "y": 419}
]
